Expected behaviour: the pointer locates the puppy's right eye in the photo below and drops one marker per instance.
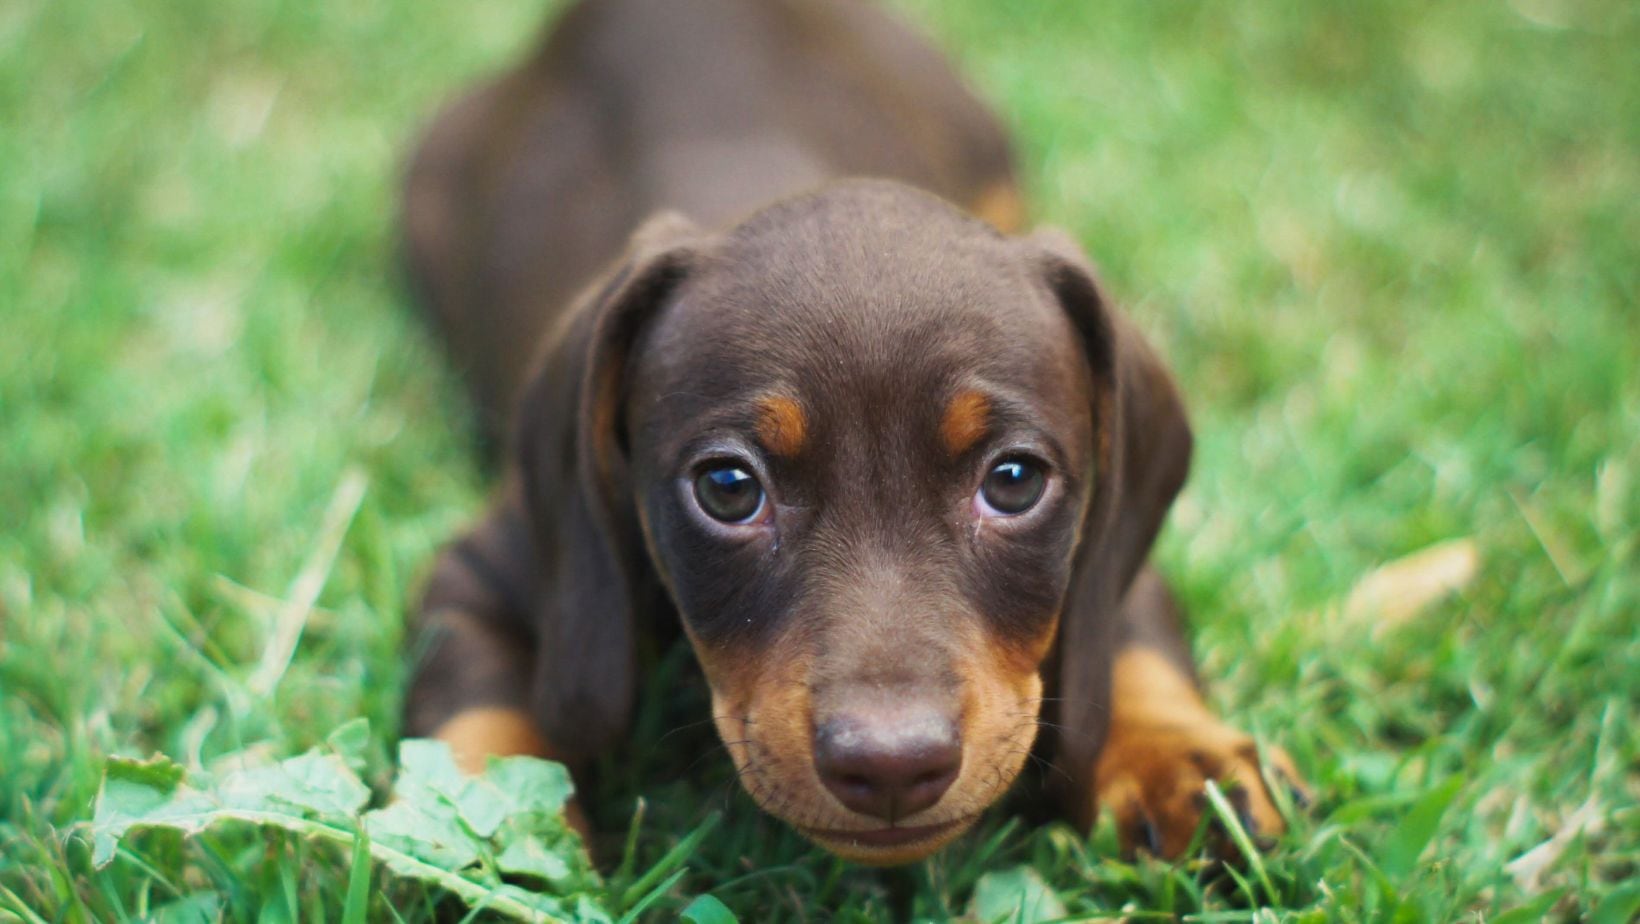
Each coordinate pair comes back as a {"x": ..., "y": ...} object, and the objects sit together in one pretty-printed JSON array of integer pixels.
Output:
[
  {"x": 729, "y": 494},
  {"x": 1012, "y": 487}
]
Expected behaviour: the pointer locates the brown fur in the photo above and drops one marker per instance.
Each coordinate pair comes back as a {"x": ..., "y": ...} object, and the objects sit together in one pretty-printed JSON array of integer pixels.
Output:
[
  {"x": 866, "y": 350},
  {"x": 1163, "y": 745}
]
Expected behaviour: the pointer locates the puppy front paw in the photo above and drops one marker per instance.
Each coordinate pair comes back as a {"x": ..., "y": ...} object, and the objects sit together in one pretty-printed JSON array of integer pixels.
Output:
[
  {"x": 479, "y": 733},
  {"x": 1152, "y": 777}
]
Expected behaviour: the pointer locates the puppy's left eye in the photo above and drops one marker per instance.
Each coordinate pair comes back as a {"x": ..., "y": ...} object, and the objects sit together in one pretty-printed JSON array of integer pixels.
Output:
[
  {"x": 1013, "y": 486},
  {"x": 729, "y": 494}
]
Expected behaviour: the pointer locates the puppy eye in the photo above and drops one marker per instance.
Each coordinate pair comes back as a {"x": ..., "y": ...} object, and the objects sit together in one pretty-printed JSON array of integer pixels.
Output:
[
  {"x": 1013, "y": 486},
  {"x": 728, "y": 493}
]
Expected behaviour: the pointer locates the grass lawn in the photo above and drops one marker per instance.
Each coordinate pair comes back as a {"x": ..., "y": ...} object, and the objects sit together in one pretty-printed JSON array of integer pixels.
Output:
[{"x": 1392, "y": 249}]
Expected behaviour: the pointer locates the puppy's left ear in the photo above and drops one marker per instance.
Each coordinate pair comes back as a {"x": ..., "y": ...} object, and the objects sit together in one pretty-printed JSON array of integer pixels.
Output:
[
  {"x": 1142, "y": 450},
  {"x": 591, "y": 572}
]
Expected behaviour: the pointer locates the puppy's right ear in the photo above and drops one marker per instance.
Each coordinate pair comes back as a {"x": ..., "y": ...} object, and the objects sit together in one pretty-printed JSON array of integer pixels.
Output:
[
  {"x": 591, "y": 570},
  {"x": 1142, "y": 447}
]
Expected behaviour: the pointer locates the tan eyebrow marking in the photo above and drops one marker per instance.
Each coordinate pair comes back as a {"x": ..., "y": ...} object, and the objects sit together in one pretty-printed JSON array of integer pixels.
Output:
[
  {"x": 964, "y": 421},
  {"x": 781, "y": 426}
]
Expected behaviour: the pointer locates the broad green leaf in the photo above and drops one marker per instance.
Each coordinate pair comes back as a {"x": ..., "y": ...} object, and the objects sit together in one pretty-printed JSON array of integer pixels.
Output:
[
  {"x": 581, "y": 909},
  {"x": 426, "y": 831},
  {"x": 531, "y": 785},
  {"x": 1014, "y": 896},
  {"x": 351, "y": 742},
  {"x": 137, "y": 793},
  {"x": 587, "y": 911},
  {"x": 317, "y": 784},
  {"x": 158, "y": 772},
  {"x": 154, "y": 793},
  {"x": 428, "y": 773},
  {"x": 438, "y": 828},
  {"x": 527, "y": 856},
  {"x": 430, "y": 763}
]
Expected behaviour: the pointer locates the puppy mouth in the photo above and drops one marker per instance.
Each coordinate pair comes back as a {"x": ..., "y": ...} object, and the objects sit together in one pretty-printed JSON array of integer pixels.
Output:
[{"x": 892, "y": 838}]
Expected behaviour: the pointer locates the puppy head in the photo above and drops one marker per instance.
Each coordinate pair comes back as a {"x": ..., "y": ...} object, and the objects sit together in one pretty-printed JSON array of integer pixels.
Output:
[{"x": 857, "y": 440}]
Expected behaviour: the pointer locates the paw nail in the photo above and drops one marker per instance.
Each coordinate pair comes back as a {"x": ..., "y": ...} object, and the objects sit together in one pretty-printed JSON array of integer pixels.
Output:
[
  {"x": 1248, "y": 824},
  {"x": 1153, "y": 838},
  {"x": 1301, "y": 799}
]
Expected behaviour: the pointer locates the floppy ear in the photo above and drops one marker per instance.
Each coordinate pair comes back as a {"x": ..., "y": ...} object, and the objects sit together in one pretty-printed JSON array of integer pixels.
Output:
[
  {"x": 1142, "y": 448},
  {"x": 592, "y": 573}
]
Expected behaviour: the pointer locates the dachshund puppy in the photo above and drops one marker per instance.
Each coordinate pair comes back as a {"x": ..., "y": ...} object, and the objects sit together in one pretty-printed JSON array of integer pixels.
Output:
[{"x": 894, "y": 472}]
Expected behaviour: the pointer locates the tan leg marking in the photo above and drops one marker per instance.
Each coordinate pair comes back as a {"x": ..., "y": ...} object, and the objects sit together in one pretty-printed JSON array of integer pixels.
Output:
[
  {"x": 1162, "y": 747},
  {"x": 475, "y": 735}
]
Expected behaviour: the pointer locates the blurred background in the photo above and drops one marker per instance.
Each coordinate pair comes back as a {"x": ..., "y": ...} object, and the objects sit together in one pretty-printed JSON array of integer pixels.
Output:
[{"x": 1391, "y": 248}]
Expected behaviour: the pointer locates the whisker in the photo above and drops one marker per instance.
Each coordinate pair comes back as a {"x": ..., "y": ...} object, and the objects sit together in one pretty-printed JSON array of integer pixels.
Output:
[
  {"x": 1097, "y": 704},
  {"x": 688, "y": 725},
  {"x": 712, "y": 752}
]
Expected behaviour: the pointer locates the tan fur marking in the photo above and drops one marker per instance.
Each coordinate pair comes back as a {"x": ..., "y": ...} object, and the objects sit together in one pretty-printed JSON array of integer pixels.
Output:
[
  {"x": 1146, "y": 686},
  {"x": 780, "y": 426},
  {"x": 1000, "y": 206},
  {"x": 762, "y": 707},
  {"x": 475, "y": 734},
  {"x": 1162, "y": 747},
  {"x": 964, "y": 421}
]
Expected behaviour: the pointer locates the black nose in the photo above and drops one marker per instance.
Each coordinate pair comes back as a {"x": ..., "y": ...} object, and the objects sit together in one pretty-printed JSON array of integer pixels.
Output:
[{"x": 888, "y": 764}]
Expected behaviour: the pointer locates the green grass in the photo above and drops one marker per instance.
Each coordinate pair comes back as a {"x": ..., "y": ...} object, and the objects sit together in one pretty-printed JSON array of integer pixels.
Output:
[{"x": 1392, "y": 249}]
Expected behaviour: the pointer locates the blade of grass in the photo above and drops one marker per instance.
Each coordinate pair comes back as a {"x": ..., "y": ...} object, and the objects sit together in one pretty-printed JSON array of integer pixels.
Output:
[
  {"x": 1417, "y": 829},
  {"x": 1238, "y": 834},
  {"x": 358, "y": 881},
  {"x": 629, "y": 854},
  {"x": 1620, "y": 906},
  {"x": 18, "y": 908},
  {"x": 671, "y": 861},
  {"x": 310, "y": 580},
  {"x": 653, "y": 896}
]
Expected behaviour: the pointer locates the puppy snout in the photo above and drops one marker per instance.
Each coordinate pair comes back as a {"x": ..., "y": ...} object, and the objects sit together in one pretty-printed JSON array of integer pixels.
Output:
[{"x": 888, "y": 764}]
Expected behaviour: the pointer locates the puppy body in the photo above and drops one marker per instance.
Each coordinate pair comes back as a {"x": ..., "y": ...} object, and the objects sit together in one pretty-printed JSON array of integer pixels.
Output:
[
  {"x": 526, "y": 188},
  {"x": 875, "y": 369}
]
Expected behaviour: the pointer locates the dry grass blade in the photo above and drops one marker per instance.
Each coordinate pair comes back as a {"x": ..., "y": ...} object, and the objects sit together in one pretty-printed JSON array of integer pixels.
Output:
[
  {"x": 310, "y": 580},
  {"x": 1400, "y": 590},
  {"x": 1528, "y": 868}
]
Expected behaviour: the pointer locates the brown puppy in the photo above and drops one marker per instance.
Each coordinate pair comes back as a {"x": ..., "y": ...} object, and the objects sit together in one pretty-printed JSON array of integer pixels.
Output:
[{"x": 896, "y": 474}]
